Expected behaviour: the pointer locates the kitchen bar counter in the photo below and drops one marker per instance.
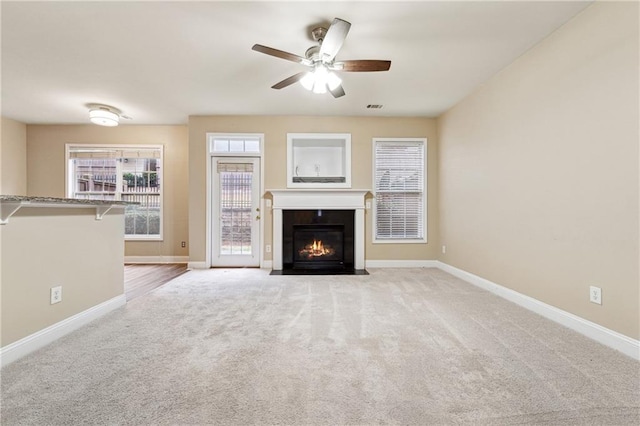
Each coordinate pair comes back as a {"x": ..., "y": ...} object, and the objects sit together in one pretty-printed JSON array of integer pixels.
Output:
[{"x": 9, "y": 204}]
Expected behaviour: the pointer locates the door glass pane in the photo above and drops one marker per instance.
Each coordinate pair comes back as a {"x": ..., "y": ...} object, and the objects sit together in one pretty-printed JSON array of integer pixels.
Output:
[
  {"x": 220, "y": 145},
  {"x": 236, "y": 146},
  {"x": 235, "y": 215},
  {"x": 252, "y": 145}
]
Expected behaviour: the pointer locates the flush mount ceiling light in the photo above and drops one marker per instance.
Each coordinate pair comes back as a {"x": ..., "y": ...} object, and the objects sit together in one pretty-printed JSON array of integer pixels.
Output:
[{"x": 104, "y": 115}]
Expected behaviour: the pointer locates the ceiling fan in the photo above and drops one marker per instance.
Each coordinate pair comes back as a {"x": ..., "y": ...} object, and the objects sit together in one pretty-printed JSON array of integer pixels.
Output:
[{"x": 321, "y": 59}]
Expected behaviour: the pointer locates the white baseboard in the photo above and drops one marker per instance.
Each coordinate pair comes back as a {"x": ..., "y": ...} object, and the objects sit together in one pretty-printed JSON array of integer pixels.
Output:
[
  {"x": 197, "y": 265},
  {"x": 266, "y": 264},
  {"x": 613, "y": 339},
  {"x": 37, "y": 340},
  {"x": 156, "y": 259},
  {"x": 401, "y": 264}
]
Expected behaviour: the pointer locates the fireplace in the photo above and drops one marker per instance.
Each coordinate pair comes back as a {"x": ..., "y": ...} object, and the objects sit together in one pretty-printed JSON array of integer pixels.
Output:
[
  {"x": 318, "y": 241},
  {"x": 315, "y": 207}
]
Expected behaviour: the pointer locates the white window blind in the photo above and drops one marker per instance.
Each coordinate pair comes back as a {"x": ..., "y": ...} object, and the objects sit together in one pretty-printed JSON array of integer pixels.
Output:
[
  {"x": 104, "y": 153},
  {"x": 399, "y": 182},
  {"x": 235, "y": 167}
]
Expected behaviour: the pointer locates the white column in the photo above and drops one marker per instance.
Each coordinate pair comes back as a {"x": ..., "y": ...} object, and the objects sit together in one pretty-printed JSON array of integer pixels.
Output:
[
  {"x": 358, "y": 237},
  {"x": 277, "y": 239}
]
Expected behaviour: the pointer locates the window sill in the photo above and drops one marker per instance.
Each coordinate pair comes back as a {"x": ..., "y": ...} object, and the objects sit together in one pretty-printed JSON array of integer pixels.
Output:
[
  {"x": 407, "y": 241},
  {"x": 142, "y": 238}
]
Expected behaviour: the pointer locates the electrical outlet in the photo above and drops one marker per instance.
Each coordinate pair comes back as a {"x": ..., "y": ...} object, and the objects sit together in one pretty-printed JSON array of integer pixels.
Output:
[
  {"x": 56, "y": 294},
  {"x": 268, "y": 248},
  {"x": 444, "y": 249},
  {"x": 367, "y": 205},
  {"x": 183, "y": 244},
  {"x": 595, "y": 295},
  {"x": 267, "y": 202}
]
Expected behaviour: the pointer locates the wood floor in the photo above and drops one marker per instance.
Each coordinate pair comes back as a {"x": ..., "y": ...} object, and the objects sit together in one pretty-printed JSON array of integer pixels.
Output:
[{"x": 141, "y": 279}]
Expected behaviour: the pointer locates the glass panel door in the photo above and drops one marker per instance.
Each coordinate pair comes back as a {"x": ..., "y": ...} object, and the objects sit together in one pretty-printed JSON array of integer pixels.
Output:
[{"x": 235, "y": 211}]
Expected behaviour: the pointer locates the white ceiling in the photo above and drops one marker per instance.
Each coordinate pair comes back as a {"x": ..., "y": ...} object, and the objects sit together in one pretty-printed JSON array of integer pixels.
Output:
[{"x": 160, "y": 62}]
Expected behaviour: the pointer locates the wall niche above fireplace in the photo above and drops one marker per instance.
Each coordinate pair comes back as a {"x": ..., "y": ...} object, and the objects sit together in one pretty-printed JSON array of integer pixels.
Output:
[{"x": 318, "y": 160}]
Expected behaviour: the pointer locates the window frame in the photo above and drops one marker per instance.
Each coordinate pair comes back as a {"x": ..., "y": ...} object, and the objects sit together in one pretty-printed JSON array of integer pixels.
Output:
[
  {"x": 69, "y": 179},
  {"x": 400, "y": 141}
]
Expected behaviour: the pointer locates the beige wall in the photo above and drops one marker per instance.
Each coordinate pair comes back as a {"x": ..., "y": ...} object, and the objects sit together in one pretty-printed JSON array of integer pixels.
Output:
[
  {"x": 539, "y": 171},
  {"x": 46, "y": 168},
  {"x": 275, "y": 129},
  {"x": 90, "y": 267},
  {"x": 13, "y": 158}
]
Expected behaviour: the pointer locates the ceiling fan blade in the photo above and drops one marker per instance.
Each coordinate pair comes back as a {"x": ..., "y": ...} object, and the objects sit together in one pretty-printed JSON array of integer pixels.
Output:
[
  {"x": 289, "y": 81},
  {"x": 337, "y": 92},
  {"x": 281, "y": 54},
  {"x": 361, "y": 65},
  {"x": 334, "y": 39}
]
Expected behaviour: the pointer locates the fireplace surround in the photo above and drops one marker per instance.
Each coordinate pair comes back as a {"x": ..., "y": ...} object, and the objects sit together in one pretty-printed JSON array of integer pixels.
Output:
[{"x": 321, "y": 209}]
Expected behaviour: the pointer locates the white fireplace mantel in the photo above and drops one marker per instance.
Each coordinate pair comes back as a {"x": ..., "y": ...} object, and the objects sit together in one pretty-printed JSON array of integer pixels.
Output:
[{"x": 326, "y": 199}]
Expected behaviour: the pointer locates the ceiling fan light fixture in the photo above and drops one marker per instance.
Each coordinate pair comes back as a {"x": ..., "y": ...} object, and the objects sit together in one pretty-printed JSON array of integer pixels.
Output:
[
  {"x": 320, "y": 80},
  {"x": 320, "y": 83},
  {"x": 333, "y": 81},
  {"x": 319, "y": 88},
  {"x": 103, "y": 115},
  {"x": 307, "y": 81}
]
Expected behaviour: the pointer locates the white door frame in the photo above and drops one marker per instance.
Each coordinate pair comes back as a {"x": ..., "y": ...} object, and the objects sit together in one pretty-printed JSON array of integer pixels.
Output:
[{"x": 209, "y": 189}]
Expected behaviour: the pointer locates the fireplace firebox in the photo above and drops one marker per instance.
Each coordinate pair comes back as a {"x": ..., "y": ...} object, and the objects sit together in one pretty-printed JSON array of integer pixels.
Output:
[
  {"x": 318, "y": 246},
  {"x": 318, "y": 241}
]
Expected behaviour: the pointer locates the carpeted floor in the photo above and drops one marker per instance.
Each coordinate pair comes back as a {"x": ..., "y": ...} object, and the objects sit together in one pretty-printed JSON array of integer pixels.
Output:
[{"x": 400, "y": 346}]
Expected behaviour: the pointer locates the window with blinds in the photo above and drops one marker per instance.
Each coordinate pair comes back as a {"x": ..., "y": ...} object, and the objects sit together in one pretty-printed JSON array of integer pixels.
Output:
[
  {"x": 120, "y": 173},
  {"x": 399, "y": 186}
]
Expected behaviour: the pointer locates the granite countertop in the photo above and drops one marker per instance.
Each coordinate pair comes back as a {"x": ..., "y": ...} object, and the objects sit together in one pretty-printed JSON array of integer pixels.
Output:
[{"x": 61, "y": 201}]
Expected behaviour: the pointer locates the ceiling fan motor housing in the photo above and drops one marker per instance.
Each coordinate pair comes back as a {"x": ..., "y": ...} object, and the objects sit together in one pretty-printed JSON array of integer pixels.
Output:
[
  {"x": 318, "y": 34},
  {"x": 313, "y": 53}
]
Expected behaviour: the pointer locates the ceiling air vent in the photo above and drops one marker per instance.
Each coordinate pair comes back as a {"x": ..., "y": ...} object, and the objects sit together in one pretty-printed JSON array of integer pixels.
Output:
[{"x": 374, "y": 106}]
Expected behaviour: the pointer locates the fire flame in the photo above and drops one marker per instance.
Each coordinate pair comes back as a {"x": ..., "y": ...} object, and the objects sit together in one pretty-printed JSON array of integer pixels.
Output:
[
  {"x": 316, "y": 249},
  {"x": 317, "y": 246}
]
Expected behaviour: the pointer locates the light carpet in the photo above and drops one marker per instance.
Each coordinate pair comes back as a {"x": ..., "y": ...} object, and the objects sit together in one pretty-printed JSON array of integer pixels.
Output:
[{"x": 400, "y": 346}]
